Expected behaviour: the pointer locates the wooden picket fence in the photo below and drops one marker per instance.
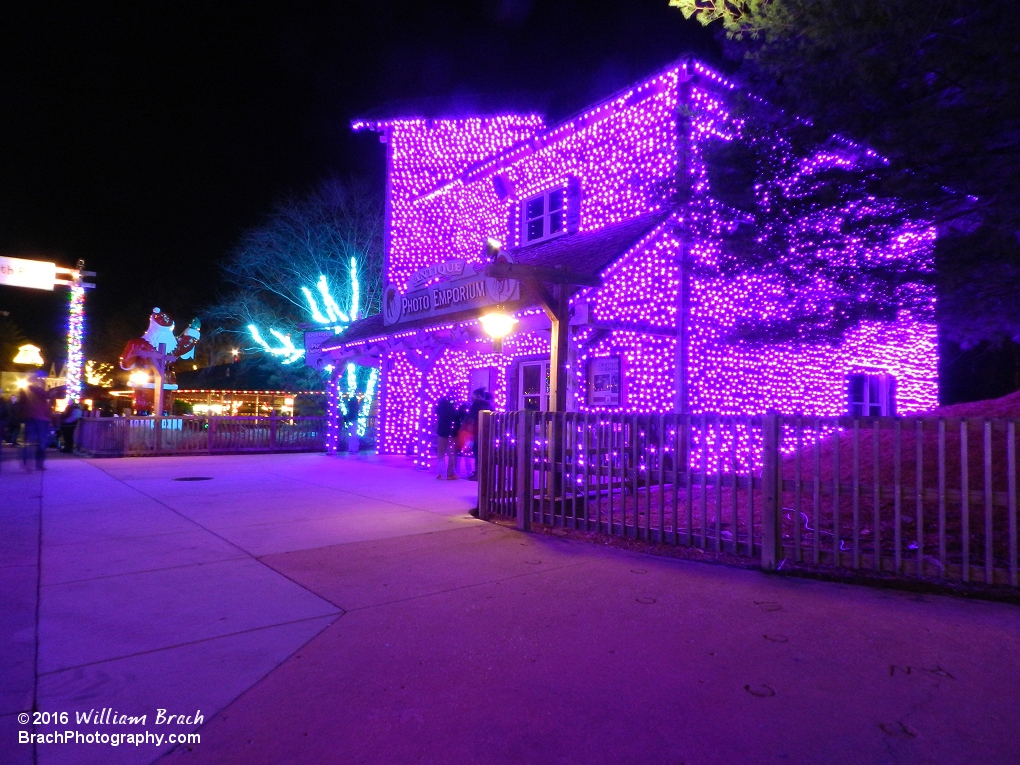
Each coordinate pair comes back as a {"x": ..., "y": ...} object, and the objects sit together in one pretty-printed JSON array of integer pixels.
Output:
[
  {"x": 920, "y": 497},
  {"x": 149, "y": 436}
]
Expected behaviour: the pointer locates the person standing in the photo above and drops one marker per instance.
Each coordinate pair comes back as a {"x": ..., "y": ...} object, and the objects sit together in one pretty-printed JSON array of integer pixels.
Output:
[
  {"x": 469, "y": 429},
  {"x": 34, "y": 409},
  {"x": 5, "y": 417},
  {"x": 68, "y": 422},
  {"x": 481, "y": 400},
  {"x": 446, "y": 436},
  {"x": 351, "y": 422},
  {"x": 13, "y": 423}
]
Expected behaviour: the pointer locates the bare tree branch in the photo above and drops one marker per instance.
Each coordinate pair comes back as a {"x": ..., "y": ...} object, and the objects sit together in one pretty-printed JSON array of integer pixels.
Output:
[{"x": 302, "y": 239}]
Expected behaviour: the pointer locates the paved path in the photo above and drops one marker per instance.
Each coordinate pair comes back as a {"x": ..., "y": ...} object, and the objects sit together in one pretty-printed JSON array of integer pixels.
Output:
[{"x": 325, "y": 610}]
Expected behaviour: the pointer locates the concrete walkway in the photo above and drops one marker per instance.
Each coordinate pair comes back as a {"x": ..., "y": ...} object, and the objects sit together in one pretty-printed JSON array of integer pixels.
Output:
[{"x": 322, "y": 610}]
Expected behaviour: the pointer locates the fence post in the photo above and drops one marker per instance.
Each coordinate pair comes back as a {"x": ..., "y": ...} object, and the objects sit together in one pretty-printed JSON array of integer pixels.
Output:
[
  {"x": 772, "y": 507},
  {"x": 272, "y": 430},
  {"x": 525, "y": 474},
  {"x": 483, "y": 450}
]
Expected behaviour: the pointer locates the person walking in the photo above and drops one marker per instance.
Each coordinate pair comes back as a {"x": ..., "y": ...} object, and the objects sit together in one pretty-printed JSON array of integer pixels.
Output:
[
  {"x": 68, "y": 422},
  {"x": 34, "y": 409}
]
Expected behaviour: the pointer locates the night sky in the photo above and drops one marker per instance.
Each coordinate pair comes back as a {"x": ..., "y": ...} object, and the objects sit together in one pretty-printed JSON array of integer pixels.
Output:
[{"x": 145, "y": 138}]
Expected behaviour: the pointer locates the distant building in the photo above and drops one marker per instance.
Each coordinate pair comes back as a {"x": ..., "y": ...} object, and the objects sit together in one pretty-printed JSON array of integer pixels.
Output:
[{"x": 247, "y": 387}]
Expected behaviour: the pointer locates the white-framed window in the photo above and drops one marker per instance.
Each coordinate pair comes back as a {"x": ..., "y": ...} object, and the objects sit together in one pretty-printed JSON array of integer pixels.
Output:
[
  {"x": 534, "y": 386},
  {"x": 872, "y": 395},
  {"x": 544, "y": 216}
]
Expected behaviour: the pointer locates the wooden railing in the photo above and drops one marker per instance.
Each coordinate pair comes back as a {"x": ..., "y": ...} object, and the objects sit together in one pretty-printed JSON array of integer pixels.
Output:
[
  {"x": 920, "y": 497},
  {"x": 143, "y": 436}
]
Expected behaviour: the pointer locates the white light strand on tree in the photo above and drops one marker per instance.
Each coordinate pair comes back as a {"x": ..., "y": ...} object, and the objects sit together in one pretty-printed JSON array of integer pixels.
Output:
[
  {"x": 352, "y": 379},
  {"x": 314, "y": 307},
  {"x": 366, "y": 405},
  {"x": 335, "y": 317},
  {"x": 287, "y": 351},
  {"x": 355, "y": 289},
  {"x": 332, "y": 309}
]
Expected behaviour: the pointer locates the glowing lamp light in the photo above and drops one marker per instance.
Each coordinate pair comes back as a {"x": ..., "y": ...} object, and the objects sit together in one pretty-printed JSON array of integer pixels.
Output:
[
  {"x": 29, "y": 354},
  {"x": 21, "y": 384},
  {"x": 138, "y": 378},
  {"x": 497, "y": 325}
]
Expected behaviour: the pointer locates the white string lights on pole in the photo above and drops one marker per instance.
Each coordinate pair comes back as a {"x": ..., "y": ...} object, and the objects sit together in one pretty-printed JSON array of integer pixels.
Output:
[{"x": 75, "y": 340}]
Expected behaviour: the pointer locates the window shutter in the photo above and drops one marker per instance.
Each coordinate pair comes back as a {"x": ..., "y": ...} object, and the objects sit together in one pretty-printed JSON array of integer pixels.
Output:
[
  {"x": 512, "y": 384},
  {"x": 855, "y": 404},
  {"x": 573, "y": 205},
  {"x": 513, "y": 225},
  {"x": 890, "y": 396},
  {"x": 500, "y": 187},
  {"x": 571, "y": 377}
]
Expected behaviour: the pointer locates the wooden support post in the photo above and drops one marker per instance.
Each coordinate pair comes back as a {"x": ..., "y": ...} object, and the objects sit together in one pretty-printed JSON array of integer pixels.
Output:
[
  {"x": 525, "y": 473},
  {"x": 559, "y": 351},
  {"x": 772, "y": 507},
  {"x": 681, "y": 404},
  {"x": 483, "y": 446}
]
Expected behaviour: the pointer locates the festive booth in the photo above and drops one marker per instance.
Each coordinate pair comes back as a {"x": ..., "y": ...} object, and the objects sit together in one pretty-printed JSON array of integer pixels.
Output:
[
  {"x": 602, "y": 242},
  {"x": 249, "y": 387}
]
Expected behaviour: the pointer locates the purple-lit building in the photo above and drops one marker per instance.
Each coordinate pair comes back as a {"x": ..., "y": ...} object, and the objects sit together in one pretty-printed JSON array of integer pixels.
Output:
[{"x": 620, "y": 192}]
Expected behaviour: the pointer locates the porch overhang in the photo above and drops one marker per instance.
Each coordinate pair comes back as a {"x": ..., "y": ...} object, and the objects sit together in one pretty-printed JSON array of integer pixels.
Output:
[
  {"x": 580, "y": 258},
  {"x": 367, "y": 340}
]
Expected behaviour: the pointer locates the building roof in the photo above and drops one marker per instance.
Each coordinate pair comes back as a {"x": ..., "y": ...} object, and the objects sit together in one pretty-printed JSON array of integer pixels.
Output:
[
  {"x": 457, "y": 106},
  {"x": 589, "y": 252},
  {"x": 364, "y": 329},
  {"x": 373, "y": 328},
  {"x": 686, "y": 66}
]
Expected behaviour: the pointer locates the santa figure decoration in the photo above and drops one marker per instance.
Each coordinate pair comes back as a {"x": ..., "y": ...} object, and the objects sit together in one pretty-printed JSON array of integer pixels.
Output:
[
  {"x": 188, "y": 340},
  {"x": 161, "y": 332},
  {"x": 145, "y": 352}
]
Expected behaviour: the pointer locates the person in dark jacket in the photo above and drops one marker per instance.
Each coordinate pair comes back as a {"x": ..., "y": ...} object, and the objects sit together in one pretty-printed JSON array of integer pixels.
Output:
[
  {"x": 481, "y": 400},
  {"x": 13, "y": 423},
  {"x": 68, "y": 422},
  {"x": 5, "y": 416},
  {"x": 351, "y": 423},
  {"x": 447, "y": 425}
]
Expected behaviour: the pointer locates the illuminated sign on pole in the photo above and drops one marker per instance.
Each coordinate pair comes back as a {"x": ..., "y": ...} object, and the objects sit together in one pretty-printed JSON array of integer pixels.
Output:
[{"x": 34, "y": 274}]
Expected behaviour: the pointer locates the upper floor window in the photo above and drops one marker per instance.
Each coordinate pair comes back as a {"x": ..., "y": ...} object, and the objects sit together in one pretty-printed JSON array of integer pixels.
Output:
[
  {"x": 872, "y": 395},
  {"x": 543, "y": 216}
]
